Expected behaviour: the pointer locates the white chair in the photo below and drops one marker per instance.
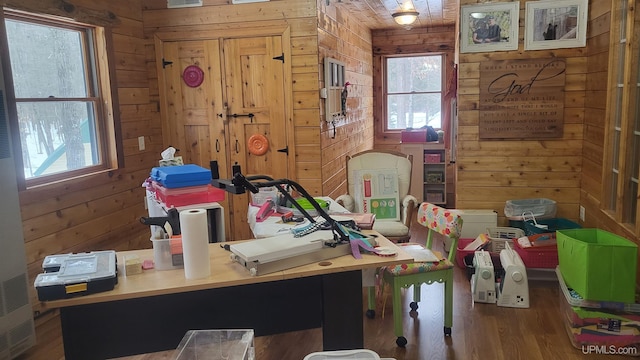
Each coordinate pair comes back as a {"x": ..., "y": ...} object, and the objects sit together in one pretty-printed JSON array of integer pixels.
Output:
[{"x": 398, "y": 230}]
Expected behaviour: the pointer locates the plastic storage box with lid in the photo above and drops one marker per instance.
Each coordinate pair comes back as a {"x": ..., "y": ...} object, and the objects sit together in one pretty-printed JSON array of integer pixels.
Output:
[
  {"x": 232, "y": 344},
  {"x": 185, "y": 196},
  {"x": 597, "y": 264},
  {"x": 591, "y": 323},
  {"x": 539, "y": 208},
  {"x": 181, "y": 176},
  {"x": 69, "y": 275}
]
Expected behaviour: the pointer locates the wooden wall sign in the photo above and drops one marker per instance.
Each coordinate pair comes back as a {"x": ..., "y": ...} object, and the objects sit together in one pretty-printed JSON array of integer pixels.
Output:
[{"x": 522, "y": 99}]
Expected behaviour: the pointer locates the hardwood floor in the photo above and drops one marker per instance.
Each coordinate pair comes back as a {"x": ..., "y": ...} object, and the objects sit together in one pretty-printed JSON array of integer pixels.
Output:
[{"x": 480, "y": 331}]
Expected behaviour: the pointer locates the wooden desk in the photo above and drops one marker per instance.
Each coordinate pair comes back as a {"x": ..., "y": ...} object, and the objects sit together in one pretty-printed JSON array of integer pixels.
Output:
[{"x": 152, "y": 311}]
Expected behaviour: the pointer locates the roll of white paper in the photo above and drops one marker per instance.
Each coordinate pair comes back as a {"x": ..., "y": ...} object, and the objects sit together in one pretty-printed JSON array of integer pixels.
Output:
[{"x": 195, "y": 243}]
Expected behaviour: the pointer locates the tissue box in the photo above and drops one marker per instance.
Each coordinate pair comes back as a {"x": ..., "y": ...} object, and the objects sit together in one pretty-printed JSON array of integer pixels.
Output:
[{"x": 171, "y": 162}]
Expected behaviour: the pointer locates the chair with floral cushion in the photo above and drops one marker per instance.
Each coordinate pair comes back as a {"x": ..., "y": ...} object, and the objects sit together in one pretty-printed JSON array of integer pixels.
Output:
[{"x": 437, "y": 220}]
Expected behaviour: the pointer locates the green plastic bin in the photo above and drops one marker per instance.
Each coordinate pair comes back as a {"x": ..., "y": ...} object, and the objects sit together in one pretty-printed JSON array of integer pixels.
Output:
[{"x": 597, "y": 264}]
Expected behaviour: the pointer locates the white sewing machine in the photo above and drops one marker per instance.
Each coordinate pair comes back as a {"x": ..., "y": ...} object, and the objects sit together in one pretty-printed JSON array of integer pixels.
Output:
[
  {"x": 483, "y": 284},
  {"x": 513, "y": 290}
]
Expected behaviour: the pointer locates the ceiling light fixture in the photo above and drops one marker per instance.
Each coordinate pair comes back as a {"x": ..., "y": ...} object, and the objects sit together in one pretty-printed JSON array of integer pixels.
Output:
[{"x": 405, "y": 18}]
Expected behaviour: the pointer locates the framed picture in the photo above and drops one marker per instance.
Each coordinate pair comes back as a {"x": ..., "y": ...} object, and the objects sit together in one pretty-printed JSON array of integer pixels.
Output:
[
  {"x": 489, "y": 27},
  {"x": 555, "y": 24}
]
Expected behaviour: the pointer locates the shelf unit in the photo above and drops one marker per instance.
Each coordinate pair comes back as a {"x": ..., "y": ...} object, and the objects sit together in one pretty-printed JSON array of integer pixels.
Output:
[{"x": 429, "y": 171}]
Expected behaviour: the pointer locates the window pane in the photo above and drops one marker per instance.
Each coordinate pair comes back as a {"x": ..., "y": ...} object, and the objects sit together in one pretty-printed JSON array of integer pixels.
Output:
[
  {"x": 57, "y": 136},
  {"x": 414, "y": 74},
  {"x": 46, "y": 61},
  {"x": 414, "y": 111}
]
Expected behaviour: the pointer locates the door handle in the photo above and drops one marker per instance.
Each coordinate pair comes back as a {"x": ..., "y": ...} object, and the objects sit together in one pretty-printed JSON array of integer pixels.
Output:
[
  {"x": 217, "y": 145},
  {"x": 237, "y": 147},
  {"x": 249, "y": 115}
]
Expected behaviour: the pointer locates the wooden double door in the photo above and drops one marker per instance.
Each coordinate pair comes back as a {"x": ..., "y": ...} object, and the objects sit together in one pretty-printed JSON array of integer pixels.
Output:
[{"x": 224, "y": 99}]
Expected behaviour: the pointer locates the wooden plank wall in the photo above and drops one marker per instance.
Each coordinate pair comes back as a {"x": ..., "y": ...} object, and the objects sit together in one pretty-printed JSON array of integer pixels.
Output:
[
  {"x": 300, "y": 16},
  {"x": 491, "y": 172},
  {"x": 100, "y": 211},
  {"x": 405, "y": 42},
  {"x": 596, "y": 116},
  {"x": 342, "y": 38}
]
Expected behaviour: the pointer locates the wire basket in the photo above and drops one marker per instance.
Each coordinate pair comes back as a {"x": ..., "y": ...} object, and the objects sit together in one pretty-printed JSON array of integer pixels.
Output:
[{"x": 500, "y": 235}]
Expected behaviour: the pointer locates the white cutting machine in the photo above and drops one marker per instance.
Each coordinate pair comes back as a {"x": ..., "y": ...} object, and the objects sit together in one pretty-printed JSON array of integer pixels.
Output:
[
  {"x": 267, "y": 255},
  {"x": 513, "y": 290},
  {"x": 483, "y": 284}
]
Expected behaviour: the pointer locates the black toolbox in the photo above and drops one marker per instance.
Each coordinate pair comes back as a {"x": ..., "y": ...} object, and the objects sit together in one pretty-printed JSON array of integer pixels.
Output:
[{"x": 70, "y": 275}]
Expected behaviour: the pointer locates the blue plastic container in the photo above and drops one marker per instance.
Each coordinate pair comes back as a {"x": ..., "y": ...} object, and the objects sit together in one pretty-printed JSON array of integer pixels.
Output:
[{"x": 181, "y": 176}]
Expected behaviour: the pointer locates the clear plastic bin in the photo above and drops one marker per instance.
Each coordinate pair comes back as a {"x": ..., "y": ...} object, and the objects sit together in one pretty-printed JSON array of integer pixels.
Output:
[
  {"x": 540, "y": 208},
  {"x": 234, "y": 344},
  {"x": 163, "y": 257}
]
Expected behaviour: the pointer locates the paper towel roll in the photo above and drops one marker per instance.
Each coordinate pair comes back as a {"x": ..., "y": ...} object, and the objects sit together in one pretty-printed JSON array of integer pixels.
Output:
[{"x": 195, "y": 243}]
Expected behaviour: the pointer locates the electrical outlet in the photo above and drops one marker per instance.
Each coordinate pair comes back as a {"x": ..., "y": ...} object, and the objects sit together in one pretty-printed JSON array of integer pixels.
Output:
[
  {"x": 141, "y": 143},
  {"x": 582, "y": 213}
]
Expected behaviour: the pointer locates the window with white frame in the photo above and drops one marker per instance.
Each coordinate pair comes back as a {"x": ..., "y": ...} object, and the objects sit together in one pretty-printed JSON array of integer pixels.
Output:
[
  {"x": 622, "y": 159},
  {"x": 413, "y": 91},
  {"x": 63, "y": 103}
]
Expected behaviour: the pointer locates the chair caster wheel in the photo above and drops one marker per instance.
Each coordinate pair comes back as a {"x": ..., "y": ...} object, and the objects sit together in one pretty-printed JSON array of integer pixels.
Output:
[
  {"x": 413, "y": 305},
  {"x": 447, "y": 331},
  {"x": 371, "y": 314},
  {"x": 401, "y": 341}
]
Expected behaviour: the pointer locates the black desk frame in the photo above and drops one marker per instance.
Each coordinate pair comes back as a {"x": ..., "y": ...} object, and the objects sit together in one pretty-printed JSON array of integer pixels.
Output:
[{"x": 158, "y": 323}]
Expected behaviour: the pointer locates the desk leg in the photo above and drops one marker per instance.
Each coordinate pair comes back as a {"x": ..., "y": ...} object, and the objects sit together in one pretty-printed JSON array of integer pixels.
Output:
[{"x": 342, "y": 326}]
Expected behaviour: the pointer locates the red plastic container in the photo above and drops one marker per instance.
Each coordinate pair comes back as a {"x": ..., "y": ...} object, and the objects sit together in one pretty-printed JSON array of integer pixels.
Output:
[
  {"x": 543, "y": 257},
  {"x": 413, "y": 136},
  {"x": 432, "y": 158},
  {"x": 187, "y": 195},
  {"x": 461, "y": 253}
]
